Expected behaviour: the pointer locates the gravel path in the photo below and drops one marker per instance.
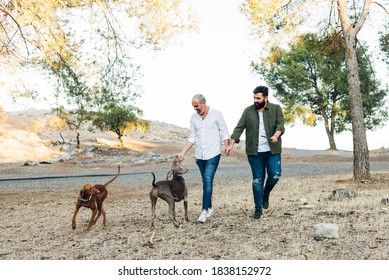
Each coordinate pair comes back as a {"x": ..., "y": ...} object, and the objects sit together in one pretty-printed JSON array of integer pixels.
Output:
[{"x": 141, "y": 175}]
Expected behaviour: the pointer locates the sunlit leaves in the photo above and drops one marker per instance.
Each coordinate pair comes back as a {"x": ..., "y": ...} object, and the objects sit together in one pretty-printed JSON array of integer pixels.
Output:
[
  {"x": 37, "y": 28},
  {"x": 159, "y": 20},
  {"x": 57, "y": 123},
  {"x": 273, "y": 20},
  {"x": 307, "y": 116}
]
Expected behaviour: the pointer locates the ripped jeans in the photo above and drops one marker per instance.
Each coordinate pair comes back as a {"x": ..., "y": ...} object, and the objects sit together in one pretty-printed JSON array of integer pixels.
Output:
[{"x": 261, "y": 163}]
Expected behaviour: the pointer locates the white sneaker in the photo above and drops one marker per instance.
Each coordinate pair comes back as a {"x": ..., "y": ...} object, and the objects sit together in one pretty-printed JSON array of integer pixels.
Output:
[
  {"x": 203, "y": 217},
  {"x": 210, "y": 212}
]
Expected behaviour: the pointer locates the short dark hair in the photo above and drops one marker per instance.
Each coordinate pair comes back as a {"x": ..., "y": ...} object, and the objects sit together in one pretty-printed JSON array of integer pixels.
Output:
[{"x": 261, "y": 89}]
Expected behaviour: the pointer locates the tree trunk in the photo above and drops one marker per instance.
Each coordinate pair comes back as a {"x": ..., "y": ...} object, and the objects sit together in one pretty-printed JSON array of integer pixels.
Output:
[
  {"x": 361, "y": 151},
  {"x": 78, "y": 139},
  {"x": 330, "y": 130},
  {"x": 331, "y": 139},
  {"x": 121, "y": 143},
  {"x": 63, "y": 140}
]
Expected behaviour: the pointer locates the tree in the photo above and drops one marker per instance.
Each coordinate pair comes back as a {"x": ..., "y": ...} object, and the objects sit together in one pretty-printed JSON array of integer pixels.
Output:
[
  {"x": 92, "y": 75},
  {"x": 61, "y": 34},
  {"x": 58, "y": 124},
  {"x": 71, "y": 85},
  {"x": 116, "y": 119},
  {"x": 38, "y": 28},
  {"x": 309, "y": 79},
  {"x": 350, "y": 30},
  {"x": 282, "y": 18},
  {"x": 74, "y": 119}
]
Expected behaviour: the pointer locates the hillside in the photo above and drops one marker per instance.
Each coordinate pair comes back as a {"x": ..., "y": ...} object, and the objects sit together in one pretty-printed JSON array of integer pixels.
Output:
[{"x": 26, "y": 136}]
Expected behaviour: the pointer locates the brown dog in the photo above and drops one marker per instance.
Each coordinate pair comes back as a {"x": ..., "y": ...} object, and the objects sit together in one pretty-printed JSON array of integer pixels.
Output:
[
  {"x": 93, "y": 197},
  {"x": 171, "y": 191}
]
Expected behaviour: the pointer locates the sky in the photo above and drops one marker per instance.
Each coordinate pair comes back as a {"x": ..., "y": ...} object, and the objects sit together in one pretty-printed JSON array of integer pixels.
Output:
[{"x": 215, "y": 61}]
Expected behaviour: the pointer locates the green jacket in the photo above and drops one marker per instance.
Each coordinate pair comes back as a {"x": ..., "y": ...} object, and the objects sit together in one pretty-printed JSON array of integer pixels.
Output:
[{"x": 273, "y": 119}]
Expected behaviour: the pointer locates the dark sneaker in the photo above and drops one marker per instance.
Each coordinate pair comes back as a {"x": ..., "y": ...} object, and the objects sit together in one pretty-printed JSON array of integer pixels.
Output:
[
  {"x": 265, "y": 202},
  {"x": 257, "y": 213}
]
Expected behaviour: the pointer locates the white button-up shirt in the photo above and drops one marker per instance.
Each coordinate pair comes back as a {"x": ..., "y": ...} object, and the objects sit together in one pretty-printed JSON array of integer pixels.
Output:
[{"x": 207, "y": 134}]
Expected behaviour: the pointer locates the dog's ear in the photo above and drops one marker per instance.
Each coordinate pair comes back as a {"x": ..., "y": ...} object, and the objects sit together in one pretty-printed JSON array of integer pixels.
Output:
[
  {"x": 82, "y": 193},
  {"x": 170, "y": 173}
]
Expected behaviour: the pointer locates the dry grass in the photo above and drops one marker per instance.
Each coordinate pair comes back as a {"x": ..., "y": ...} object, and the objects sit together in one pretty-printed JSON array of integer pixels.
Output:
[{"x": 36, "y": 224}]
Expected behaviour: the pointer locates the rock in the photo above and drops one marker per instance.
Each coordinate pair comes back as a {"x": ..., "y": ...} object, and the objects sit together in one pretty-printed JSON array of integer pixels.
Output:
[
  {"x": 325, "y": 230},
  {"x": 30, "y": 163},
  {"x": 341, "y": 194},
  {"x": 97, "y": 241},
  {"x": 384, "y": 210},
  {"x": 90, "y": 149},
  {"x": 307, "y": 206},
  {"x": 385, "y": 201},
  {"x": 141, "y": 161},
  {"x": 303, "y": 201}
]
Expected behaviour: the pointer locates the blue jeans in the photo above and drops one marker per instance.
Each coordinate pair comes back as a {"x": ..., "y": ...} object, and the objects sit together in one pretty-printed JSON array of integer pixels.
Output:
[
  {"x": 208, "y": 169},
  {"x": 261, "y": 163}
]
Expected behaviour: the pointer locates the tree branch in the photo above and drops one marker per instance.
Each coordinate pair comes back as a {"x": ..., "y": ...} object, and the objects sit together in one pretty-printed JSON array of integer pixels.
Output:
[
  {"x": 365, "y": 12},
  {"x": 7, "y": 13},
  {"x": 381, "y": 5}
]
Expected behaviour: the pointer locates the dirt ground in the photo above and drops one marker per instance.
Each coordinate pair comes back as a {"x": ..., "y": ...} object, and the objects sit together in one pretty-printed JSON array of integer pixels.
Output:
[
  {"x": 36, "y": 222},
  {"x": 36, "y": 217}
]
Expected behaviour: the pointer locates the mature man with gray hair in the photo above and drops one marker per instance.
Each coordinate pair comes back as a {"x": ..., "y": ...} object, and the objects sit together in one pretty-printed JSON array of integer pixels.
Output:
[{"x": 207, "y": 130}]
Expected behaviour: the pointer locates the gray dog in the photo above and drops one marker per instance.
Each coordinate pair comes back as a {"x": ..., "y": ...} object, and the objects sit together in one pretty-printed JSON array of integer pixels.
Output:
[{"x": 171, "y": 191}]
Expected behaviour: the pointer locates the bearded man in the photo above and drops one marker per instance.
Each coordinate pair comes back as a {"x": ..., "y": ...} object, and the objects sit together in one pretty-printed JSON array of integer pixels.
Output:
[{"x": 264, "y": 125}]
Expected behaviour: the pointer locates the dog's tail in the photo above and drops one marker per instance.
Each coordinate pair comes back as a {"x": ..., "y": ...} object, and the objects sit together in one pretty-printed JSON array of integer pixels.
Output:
[
  {"x": 110, "y": 181},
  {"x": 154, "y": 185}
]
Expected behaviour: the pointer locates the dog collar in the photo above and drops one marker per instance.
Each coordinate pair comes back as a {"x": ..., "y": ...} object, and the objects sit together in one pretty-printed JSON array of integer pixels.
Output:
[{"x": 85, "y": 200}]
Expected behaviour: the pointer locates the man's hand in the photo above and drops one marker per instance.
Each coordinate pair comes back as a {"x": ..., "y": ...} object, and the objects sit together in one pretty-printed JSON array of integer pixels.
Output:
[
  {"x": 274, "y": 139},
  {"x": 229, "y": 148},
  {"x": 181, "y": 157}
]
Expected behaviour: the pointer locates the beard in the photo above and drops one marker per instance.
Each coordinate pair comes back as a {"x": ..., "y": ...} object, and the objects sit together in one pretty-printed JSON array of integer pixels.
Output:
[
  {"x": 201, "y": 112},
  {"x": 259, "y": 105}
]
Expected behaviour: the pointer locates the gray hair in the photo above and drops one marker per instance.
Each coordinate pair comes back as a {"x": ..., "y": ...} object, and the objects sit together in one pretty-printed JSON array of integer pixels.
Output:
[{"x": 199, "y": 97}]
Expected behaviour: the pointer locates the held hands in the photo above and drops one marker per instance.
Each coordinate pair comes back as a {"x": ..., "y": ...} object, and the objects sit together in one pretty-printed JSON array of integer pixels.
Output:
[{"x": 228, "y": 148}]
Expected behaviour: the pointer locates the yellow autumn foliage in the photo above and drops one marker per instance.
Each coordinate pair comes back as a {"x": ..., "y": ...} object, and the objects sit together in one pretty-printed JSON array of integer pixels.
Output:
[
  {"x": 307, "y": 116},
  {"x": 34, "y": 28},
  {"x": 57, "y": 123}
]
